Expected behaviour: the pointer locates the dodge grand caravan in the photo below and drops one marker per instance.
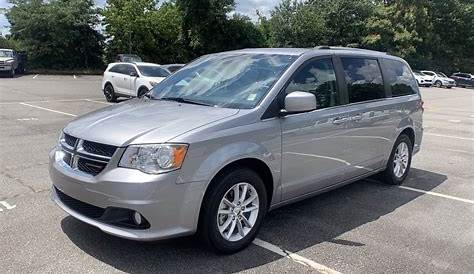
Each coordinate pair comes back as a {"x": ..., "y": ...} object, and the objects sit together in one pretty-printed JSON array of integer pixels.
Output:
[{"x": 215, "y": 146}]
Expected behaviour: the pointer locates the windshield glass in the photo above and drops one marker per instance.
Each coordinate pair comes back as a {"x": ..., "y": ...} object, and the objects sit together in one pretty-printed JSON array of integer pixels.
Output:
[
  {"x": 6, "y": 53},
  {"x": 152, "y": 71},
  {"x": 441, "y": 74},
  {"x": 233, "y": 80}
]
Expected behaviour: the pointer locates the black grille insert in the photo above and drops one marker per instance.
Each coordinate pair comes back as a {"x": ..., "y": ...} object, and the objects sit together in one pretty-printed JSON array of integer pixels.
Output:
[
  {"x": 90, "y": 166},
  {"x": 80, "y": 207},
  {"x": 70, "y": 140},
  {"x": 97, "y": 148}
]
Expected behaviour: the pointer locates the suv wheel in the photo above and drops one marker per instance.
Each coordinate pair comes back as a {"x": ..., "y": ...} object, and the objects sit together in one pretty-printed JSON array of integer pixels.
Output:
[
  {"x": 142, "y": 91},
  {"x": 438, "y": 84},
  {"x": 12, "y": 73},
  {"x": 233, "y": 210},
  {"x": 109, "y": 93},
  {"x": 399, "y": 162}
]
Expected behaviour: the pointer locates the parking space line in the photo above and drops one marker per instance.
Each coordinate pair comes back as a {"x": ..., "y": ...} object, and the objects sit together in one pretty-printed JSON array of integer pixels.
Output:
[
  {"x": 48, "y": 101},
  {"x": 48, "y": 109},
  {"x": 438, "y": 194},
  {"x": 449, "y": 136},
  {"x": 90, "y": 100},
  {"x": 35, "y": 76},
  {"x": 295, "y": 257}
]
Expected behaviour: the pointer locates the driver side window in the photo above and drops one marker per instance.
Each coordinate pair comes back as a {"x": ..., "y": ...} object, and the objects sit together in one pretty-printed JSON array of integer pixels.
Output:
[{"x": 317, "y": 77}]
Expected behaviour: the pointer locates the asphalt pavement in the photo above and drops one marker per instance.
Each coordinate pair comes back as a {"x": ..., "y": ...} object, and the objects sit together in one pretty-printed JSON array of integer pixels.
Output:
[{"x": 424, "y": 226}]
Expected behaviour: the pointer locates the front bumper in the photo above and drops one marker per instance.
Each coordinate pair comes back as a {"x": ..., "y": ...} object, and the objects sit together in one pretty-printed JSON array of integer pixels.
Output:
[
  {"x": 171, "y": 209},
  {"x": 5, "y": 67},
  {"x": 449, "y": 84}
]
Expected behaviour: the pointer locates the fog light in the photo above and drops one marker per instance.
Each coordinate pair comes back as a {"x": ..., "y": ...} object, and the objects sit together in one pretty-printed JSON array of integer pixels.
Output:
[
  {"x": 137, "y": 218},
  {"x": 59, "y": 155}
]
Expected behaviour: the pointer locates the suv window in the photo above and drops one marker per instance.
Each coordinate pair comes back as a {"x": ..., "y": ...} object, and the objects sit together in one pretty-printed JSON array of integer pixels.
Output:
[
  {"x": 117, "y": 69},
  {"x": 363, "y": 78},
  {"x": 319, "y": 78},
  {"x": 129, "y": 69},
  {"x": 400, "y": 79}
]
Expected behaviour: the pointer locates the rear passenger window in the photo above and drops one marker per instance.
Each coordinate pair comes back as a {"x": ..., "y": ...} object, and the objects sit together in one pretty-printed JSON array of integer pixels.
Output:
[
  {"x": 400, "y": 78},
  {"x": 319, "y": 78},
  {"x": 363, "y": 78}
]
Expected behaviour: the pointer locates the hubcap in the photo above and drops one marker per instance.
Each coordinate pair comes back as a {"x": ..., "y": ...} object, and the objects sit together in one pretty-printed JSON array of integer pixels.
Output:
[
  {"x": 238, "y": 212},
  {"x": 400, "y": 160}
]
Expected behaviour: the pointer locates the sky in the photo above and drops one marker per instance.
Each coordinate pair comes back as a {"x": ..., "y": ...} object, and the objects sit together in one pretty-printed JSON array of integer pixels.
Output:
[{"x": 247, "y": 7}]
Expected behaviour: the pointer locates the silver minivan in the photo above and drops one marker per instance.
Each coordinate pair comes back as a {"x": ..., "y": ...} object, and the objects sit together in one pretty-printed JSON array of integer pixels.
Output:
[{"x": 215, "y": 146}]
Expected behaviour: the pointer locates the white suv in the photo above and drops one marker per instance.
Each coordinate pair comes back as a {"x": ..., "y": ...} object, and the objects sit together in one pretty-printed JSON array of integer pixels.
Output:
[
  {"x": 131, "y": 79},
  {"x": 440, "y": 79}
]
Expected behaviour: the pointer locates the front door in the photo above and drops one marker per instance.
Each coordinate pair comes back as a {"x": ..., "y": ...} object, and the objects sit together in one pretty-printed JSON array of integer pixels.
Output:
[{"x": 313, "y": 143}]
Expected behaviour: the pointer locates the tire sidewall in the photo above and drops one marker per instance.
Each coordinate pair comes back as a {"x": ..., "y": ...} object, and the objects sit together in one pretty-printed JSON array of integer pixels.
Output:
[
  {"x": 112, "y": 98},
  {"x": 393, "y": 178},
  {"x": 224, "y": 184}
]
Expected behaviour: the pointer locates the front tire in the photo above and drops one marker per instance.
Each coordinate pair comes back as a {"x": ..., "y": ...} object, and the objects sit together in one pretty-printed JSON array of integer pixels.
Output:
[
  {"x": 399, "y": 163},
  {"x": 142, "y": 91},
  {"x": 12, "y": 73},
  {"x": 232, "y": 211},
  {"x": 438, "y": 84}
]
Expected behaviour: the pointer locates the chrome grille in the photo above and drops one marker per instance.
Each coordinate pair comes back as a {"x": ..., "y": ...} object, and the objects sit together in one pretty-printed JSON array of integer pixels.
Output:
[{"x": 86, "y": 156}]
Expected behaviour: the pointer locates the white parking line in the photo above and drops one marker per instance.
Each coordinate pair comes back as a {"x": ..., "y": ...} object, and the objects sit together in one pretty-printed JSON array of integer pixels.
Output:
[
  {"x": 49, "y": 101},
  {"x": 6, "y": 205},
  {"x": 94, "y": 101},
  {"x": 295, "y": 257},
  {"x": 48, "y": 109},
  {"x": 438, "y": 194},
  {"x": 74, "y": 76},
  {"x": 35, "y": 76},
  {"x": 449, "y": 136},
  {"x": 455, "y": 121}
]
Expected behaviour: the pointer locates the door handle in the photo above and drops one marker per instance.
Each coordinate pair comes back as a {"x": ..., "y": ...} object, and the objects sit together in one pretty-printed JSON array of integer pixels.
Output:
[
  {"x": 356, "y": 117},
  {"x": 339, "y": 120}
]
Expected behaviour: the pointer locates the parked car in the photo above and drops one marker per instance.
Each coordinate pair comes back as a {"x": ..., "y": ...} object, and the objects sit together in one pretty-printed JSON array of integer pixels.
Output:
[
  {"x": 8, "y": 61},
  {"x": 171, "y": 68},
  {"x": 131, "y": 79},
  {"x": 422, "y": 79},
  {"x": 128, "y": 58},
  {"x": 232, "y": 135},
  {"x": 463, "y": 79},
  {"x": 440, "y": 79}
]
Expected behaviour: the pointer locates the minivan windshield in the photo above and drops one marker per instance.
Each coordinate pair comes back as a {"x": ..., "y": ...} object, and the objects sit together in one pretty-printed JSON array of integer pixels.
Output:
[{"x": 231, "y": 80}]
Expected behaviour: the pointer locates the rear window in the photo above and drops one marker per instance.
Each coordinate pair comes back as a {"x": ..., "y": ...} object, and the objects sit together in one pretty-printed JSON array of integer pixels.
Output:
[
  {"x": 399, "y": 78},
  {"x": 363, "y": 78},
  {"x": 153, "y": 71}
]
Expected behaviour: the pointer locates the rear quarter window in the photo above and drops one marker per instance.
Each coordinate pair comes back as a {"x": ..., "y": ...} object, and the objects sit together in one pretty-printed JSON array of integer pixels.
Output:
[
  {"x": 363, "y": 78},
  {"x": 400, "y": 78}
]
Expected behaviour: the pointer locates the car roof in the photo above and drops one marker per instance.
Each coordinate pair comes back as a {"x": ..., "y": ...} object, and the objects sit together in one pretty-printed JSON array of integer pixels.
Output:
[
  {"x": 318, "y": 49},
  {"x": 135, "y": 63},
  {"x": 7, "y": 49},
  {"x": 171, "y": 65}
]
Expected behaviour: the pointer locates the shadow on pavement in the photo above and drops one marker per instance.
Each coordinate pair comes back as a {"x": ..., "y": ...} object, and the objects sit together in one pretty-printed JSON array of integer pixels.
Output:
[{"x": 294, "y": 228}]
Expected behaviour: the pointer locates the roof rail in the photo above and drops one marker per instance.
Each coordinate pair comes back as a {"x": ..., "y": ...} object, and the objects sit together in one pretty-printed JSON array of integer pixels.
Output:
[{"x": 348, "y": 48}]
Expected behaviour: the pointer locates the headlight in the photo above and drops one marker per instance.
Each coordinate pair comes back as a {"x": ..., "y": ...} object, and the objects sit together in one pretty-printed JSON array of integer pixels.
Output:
[
  {"x": 154, "y": 158},
  {"x": 153, "y": 83},
  {"x": 9, "y": 61}
]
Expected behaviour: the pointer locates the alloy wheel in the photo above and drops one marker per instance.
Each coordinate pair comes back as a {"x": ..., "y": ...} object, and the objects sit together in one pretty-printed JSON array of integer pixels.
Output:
[
  {"x": 238, "y": 212},
  {"x": 400, "y": 160}
]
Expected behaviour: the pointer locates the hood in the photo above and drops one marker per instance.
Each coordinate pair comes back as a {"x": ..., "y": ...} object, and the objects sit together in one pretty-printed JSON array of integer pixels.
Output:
[
  {"x": 141, "y": 121},
  {"x": 154, "y": 79},
  {"x": 6, "y": 58}
]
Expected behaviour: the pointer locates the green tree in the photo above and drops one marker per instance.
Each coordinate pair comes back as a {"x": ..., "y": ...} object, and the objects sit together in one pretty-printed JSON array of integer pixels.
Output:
[{"x": 57, "y": 34}]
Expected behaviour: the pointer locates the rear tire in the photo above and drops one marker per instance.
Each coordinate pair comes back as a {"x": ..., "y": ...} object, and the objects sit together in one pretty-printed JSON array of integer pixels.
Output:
[
  {"x": 399, "y": 163},
  {"x": 219, "y": 218},
  {"x": 109, "y": 93}
]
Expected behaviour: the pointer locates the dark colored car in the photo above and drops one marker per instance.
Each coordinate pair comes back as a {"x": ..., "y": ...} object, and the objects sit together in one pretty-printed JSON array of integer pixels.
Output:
[
  {"x": 128, "y": 58},
  {"x": 463, "y": 79}
]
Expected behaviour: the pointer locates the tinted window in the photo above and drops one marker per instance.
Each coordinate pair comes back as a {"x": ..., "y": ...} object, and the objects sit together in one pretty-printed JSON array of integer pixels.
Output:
[
  {"x": 363, "y": 78},
  {"x": 153, "y": 71},
  {"x": 317, "y": 77},
  {"x": 400, "y": 78},
  {"x": 128, "y": 69},
  {"x": 116, "y": 69}
]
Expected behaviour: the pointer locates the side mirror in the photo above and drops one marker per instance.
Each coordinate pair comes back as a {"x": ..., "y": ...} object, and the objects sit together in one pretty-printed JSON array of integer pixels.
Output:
[
  {"x": 133, "y": 74},
  {"x": 299, "y": 101}
]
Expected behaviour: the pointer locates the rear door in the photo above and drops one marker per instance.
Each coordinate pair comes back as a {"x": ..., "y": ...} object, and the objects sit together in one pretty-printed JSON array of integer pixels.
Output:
[
  {"x": 126, "y": 80},
  {"x": 313, "y": 143},
  {"x": 370, "y": 126}
]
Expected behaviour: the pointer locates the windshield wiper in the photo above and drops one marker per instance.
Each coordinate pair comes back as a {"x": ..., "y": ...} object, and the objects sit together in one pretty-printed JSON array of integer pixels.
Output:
[{"x": 185, "y": 100}]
